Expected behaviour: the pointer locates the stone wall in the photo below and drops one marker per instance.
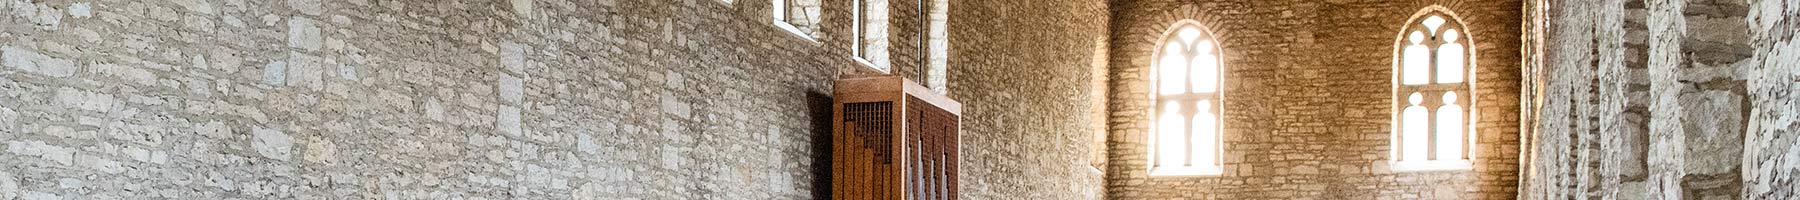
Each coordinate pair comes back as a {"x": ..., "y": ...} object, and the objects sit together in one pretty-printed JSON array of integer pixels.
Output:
[
  {"x": 1308, "y": 100},
  {"x": 529, "y": 99},
  {"x": 1659, "y": 99},
  {"x": 396, "y": 99},
  {"x": 1021, "y": 68},
  {"x": 1584, "y": 107},
  {"x": 1771, "y": 162}
]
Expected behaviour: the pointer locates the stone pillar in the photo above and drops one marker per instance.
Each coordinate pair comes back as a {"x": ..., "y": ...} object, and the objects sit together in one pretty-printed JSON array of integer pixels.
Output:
[{"x": 1771, "y": 163}]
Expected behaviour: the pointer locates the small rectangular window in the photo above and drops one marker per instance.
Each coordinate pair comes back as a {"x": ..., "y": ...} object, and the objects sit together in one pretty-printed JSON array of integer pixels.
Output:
[
  {"x": 870, "y": 46},
  {"x": 800, "y": 17}
]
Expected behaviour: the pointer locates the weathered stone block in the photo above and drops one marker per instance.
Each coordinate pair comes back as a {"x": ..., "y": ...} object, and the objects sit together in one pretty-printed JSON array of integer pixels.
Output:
[
  {"x": 523, "y": 8},
  {"x": 36, "y": 195},
  {"x": 225, "y": 61},
  {"x": 586, "y": 144},
  {"x": 303, "y": 33},
  {"x": 85, "y": 100},
  {"x": 434, "y": 109},
  {"x": 320, "y": 150},
  {"x": 81, "y": 10},
  {"x": 53, "y": 153},
  {"x": 213, "y": 129},
  {"x": 272, "y": 143},
  {"x": 512, "y": 89},
  {"x": 275, "y": 73},
  {"x": 509, "y": 120},
  {"x": 42, "y": 15},
  {"x": 9, "y": 186},
  {"x": 309, "y": 7},
  {"x": 671, "y": 157},
  {"x": 8, "y": 120},
  {"x": 347, "y": 71},
  {"x": 675, "y": 107},
  {"x": 104, "y": 165},
  {"x": 34, "y": 62},
  {"x": 131, "y": 74},
  {"x": 200, "y": 6},
  {"x": 512, "y": 57},
  {"x": 1714, "y": 126},
  {"x": 305, "y": 71}
]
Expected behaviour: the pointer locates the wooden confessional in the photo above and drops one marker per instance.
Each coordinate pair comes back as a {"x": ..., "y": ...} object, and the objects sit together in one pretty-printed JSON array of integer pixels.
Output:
[{"x": 893, "y": 139}]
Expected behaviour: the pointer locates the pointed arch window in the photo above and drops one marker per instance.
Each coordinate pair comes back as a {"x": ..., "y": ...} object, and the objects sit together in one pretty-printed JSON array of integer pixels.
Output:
[
  {"x": 1432, "y": 89},
  {"x": 1185, "y": 76}
]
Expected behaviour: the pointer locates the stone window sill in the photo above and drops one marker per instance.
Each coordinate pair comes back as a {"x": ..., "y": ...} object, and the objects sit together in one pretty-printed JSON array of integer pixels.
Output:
[
  {"x": 869, "y": 65},
  {"x": 1435, "y": 165},
  {"x": 794, "y": 30},
  {"x": 1186, "y": 171}
]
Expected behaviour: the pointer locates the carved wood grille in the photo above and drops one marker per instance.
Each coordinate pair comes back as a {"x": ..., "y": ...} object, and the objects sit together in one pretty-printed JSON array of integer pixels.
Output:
[
  {"x": 873, "y": 123},
  {"x": 862, "y": 158},
  {"x": 931, "y": 150}
]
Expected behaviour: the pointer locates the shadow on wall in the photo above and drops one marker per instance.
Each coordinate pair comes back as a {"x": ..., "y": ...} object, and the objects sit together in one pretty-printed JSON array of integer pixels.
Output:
[{"x": 819, "y": 107}]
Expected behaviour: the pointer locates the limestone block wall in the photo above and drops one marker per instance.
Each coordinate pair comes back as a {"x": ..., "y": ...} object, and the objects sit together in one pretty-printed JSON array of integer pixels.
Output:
[
  {"x": 398, "y": 99},
  {"x": 1022, "y": 69},
  {"x": 1308, "y": 100},
  {"x": 1659, "y": 99}
]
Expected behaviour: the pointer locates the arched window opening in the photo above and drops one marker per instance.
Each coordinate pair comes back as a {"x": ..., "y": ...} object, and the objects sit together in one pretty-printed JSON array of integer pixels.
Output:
[
  {"x": 1432, "y": 94},
  {"x": 1186, "y": 133},
  {"x": 800, "y": 17}
]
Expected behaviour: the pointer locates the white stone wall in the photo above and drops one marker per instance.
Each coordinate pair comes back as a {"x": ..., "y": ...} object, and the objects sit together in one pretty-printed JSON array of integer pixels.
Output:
[
  {"x": 1688, "y": 128},
  {"x": 1771, "y": 162}
]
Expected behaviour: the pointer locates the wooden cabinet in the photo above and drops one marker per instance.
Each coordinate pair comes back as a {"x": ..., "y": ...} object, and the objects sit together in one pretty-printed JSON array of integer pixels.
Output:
[{"x": 893, "y": 139}]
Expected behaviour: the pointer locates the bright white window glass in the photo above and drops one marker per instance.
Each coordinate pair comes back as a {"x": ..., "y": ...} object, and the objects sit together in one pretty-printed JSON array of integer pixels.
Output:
[
  {"x": 1417, "y": 61},
  {"x": 1186, "y": 76},
  {"x": 1450, "y": 129},
  {"x": 1174, "y": 73},
  {"x": 1205, "y": 136},
  {"x": 1417, "y": 131},
  {"x": 1450, "y": 60},
  {"x": 1170, "y": 135},
  {"x": 780, "y": 10},
  {"x": 1433, "y": 22},
  {"x": 1206, "y": 73},
  {"x": 1189, "y": 34}
]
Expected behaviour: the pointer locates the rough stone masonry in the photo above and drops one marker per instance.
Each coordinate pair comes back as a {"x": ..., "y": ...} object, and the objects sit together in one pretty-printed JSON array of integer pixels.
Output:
[
  {"x": 1661, "y": 99},
  {"x": 491, "y": 99},
  {"x": 389, "y": 99}
]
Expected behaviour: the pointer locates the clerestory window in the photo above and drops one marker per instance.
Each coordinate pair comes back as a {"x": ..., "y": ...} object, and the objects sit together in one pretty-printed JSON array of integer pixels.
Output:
[
  {"x": 800, "y": 17},
  {"x": 870, "y": 46}
]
